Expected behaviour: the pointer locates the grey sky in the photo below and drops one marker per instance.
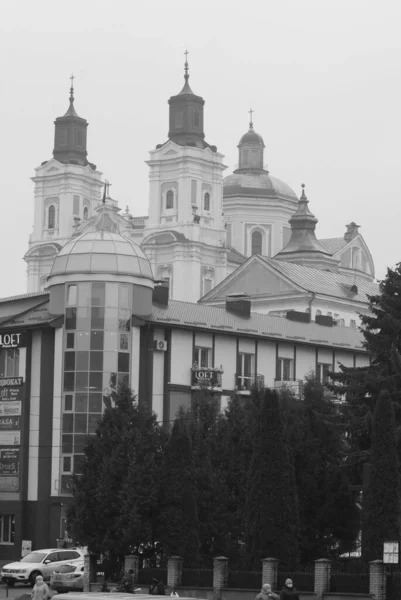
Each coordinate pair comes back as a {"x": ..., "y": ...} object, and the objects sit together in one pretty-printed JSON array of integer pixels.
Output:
[{"x": 322, "y": 76}]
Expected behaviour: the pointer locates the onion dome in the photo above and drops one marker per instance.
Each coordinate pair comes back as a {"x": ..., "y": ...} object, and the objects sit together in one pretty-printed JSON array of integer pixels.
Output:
[{"x": 251, "y": 146}]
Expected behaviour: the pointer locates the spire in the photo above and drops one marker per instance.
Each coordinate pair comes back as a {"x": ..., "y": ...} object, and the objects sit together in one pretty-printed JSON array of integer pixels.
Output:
[
  {"x": 251, "y": 111},
  {"x": 186, "y": 89},
  {"x": 71, "y": 110},
  {"x": 303, "y": 247}
]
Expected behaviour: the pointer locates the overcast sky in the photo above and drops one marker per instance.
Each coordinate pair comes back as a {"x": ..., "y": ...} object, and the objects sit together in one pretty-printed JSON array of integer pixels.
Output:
[{"x": 323, "y": 77}]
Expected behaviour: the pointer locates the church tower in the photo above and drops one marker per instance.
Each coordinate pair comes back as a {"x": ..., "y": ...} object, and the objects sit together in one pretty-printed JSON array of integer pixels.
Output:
[
  {"x": 184, "y": 237},
  {"x": 67, "y": 190}
]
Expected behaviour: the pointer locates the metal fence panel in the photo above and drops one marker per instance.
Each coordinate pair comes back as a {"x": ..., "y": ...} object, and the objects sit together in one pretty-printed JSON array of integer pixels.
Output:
[
  {"x": 350, "y": 582},
  {"x": 145, "y": 576},
  {"x": 197, "y": 578},
  {"x": 245, "y": 580}
]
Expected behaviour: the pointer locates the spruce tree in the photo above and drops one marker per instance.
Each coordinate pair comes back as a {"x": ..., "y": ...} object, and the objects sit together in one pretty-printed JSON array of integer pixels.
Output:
[
  {"x": 178, "y": 528},
  {"x": 381, "y": 503},
  {"x": 271, "y": 511}
]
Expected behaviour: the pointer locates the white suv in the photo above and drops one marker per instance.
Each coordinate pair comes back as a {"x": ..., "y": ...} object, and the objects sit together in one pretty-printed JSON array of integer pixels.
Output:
[{"x": 39, "y": 562}]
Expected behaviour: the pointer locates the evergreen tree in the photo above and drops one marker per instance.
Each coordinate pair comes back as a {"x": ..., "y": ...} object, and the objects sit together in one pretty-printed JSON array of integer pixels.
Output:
[
  {"x": 271, "y": 512},
  {"x": 99, "y": 515},
  {"x": 382, "y": 499},
  {"x": 178, "y": 521}
]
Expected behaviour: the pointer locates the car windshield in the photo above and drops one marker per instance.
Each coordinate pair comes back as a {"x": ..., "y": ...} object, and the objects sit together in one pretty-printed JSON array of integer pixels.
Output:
[{"x": 34, "y": 557}]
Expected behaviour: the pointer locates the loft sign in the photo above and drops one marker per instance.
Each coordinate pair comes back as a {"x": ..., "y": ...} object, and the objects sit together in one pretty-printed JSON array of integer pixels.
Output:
[
  {"x": 206, "y": 377},
  {"x": 12, "y": 340}
]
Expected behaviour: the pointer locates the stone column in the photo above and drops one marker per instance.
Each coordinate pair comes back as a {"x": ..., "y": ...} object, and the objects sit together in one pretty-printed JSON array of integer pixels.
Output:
[
  {"x": 377, "y": 580},
  {"x": 87, "y": 567},
  {"x": 131, "y": 562},
  {"x": 220, "y": 575},
  {"x": 174, "y": 572},
  {"x": 322, "y": 577},
  {"x": 270, "y": 572}
]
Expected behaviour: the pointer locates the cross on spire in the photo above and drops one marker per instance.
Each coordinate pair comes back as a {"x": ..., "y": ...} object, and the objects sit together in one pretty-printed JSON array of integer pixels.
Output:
[
  {"x": 106, "y": 191},
  {"x": 186, "y": 64},
  {"x": 72, "y": 80},
  {"x": 251, "y": 111},
  {"x": 72, "y": 89}
]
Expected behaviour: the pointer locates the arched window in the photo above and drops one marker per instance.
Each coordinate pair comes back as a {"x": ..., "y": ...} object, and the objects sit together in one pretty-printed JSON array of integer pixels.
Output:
[
  {"x": 206, "y": 201},
  {"x": 85, "y": 213},
  {"x": 51, "y": 217},
  {"x": 170, "y": 199},
  {"x": 256, "y": 242},
  {"x": 318, "y": 313}
]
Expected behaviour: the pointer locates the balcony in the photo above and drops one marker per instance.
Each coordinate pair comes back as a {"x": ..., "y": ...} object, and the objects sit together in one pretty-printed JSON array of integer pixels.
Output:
[
  {"x": 295, "y": 387},
  {"x": 209, "y": 378},
  {"x": 245, "y": 383}
]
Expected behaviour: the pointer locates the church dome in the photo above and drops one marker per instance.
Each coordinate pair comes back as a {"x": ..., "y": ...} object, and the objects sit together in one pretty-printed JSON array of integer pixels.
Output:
[
  {"x": 251, "y": 137},
  {"x": 101, "y": 252},
  {"x": 262, "y": 184}
]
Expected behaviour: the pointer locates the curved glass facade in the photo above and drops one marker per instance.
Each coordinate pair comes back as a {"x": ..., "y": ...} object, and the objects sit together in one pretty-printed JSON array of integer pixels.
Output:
[{"x": 96, "y": 361}]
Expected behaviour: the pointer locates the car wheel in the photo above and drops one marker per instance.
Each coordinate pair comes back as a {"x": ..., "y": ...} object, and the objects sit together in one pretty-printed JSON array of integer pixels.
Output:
[
  {"x": 32, "y": 577},
  {"x": 10, "y": 582}
]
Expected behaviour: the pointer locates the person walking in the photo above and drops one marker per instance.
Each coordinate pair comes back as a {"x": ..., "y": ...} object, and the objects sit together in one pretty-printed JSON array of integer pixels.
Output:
[
  {"x": 289, "y": 592},
  {"x": 40, "y": 590},
  {"x": 266, "y": 593}
]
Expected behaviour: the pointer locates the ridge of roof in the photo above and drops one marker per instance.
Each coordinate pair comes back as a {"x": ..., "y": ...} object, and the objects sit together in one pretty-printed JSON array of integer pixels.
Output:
[{"x": 22, "y": 296}]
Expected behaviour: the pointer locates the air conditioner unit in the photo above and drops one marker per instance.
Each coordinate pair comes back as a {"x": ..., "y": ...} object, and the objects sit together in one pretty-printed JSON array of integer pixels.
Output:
[{"x": 160, "y": 345}]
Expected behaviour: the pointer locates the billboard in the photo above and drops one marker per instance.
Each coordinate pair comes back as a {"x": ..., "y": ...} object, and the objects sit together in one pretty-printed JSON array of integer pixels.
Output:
[
  {"x": 9, "y": 408},
  {"x": 11, "y": 388}
]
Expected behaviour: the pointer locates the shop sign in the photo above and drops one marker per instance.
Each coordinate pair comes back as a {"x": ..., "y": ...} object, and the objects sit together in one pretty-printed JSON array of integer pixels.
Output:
[
  {"x": 9, "y": 484},
  {"x": 390, "y": 553},
  {"x": 12, "y": 340},
  {"x": 9, "y": 423},
  {"x": 11, "y": 388},
  {"x": 10, "y": 438},
  {"x": 10, "y": 408},
  {"x": 206, "y": 377},
  {"x": 26, "y": 547},
  {"x": 9, "y": 462}
]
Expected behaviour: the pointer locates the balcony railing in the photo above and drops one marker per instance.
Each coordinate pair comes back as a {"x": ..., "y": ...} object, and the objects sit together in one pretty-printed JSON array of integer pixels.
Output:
[
  {"x": 206, "y": 377},
  {"x": 295, "y": 387},
  {"x": 245, "y": 383}
]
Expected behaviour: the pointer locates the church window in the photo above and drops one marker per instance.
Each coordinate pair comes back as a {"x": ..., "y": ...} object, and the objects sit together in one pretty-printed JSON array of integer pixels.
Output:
[
  {"x": 170, "y": 199},
  {"x": 206, "y": 201},
  {"x": 352, "y": 324},
  {"x": 318, "y": 313},
  {"x": 207, "y": 285},
  {"x": 229, "y": 233},
  {"x": 178, "y": 119},
  {"x": 85, "y": 213},
  {"x": 80, "y": 138},
  {"x": 341, "y": 322},
  {"x": 256, "y": 242},
  {"x": 196, "y": 119},
  {"x": 51, "y": 217},
  {"x": 245, "y": 156},
  {"x": 75, "y": 205}
]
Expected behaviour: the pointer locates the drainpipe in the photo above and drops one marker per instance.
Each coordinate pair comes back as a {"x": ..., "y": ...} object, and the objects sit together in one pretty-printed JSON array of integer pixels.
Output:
[{"x": 313, "y": 296}]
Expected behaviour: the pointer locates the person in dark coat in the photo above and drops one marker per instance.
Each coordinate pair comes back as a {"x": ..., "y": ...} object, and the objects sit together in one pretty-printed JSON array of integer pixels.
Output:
[
  {"x": 289, "y": 592},
  {"x": 157, "y": 588}
]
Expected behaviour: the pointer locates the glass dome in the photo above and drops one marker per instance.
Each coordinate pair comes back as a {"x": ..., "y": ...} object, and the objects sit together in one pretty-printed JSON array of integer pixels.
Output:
[{"x": 101, "y": 252}]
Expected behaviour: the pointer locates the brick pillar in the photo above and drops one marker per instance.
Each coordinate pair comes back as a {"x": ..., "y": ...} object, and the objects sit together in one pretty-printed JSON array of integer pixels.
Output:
[
  {"x": 270, "y": 572},
  {"x": 131, "y": 562},
  {"x": 220, "y": 575},
  {"x": 87, "y": 567},
  {"x": 174, "y": 572},
  {"x": 322, "y": 577},
  {"x": 377, "y": 580}
]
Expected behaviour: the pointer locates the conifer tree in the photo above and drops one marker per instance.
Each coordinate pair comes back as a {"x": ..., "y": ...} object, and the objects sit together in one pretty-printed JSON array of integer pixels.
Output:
[
  {"x": 381, "y": 502},
  {"x": 178, "y": 528},
  {"x": 271, "y": 511}
]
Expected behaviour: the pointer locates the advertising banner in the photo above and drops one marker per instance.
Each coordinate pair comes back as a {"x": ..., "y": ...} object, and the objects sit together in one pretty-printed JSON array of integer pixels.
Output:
[
  {"x": 9, "y": 484},
  {"x": 9, "y": 423},
  {"x": 12, "y": 340},
  {"x": 10, "y": 408},
  {"x": 11, "y": 388},
  {"x": 10, "y": 438}
]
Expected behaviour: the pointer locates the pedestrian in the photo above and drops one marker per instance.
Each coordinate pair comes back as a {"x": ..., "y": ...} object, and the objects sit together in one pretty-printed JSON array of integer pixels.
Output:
[
  {"x": 40, "y": 590},
  {"x": 174, "y": 594},
  {"x": 289, "y": 592},
  {"x": 157, "y": 588},
  {"x": 266, "y": 593}
]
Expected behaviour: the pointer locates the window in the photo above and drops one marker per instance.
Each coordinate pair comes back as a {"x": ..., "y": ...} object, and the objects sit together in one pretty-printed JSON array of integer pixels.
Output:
[
  {"x": 285, "y": 369},
  {"x": 318, "y": 313},
  {"x": 80, "y": 138},
  {"x": 196, "y": 119},
  {"x": 229, "y": 229},
  {"x": 9, "y": 362},
  {"x": 51, "y": 217},
  {"x": 178, "y": 119},
  {"x": 7, "y": 528},
  {"x": 245, "y": 371},
  {"x": 322, "y": 374},
  {"x": 170, "y": 199},
  {"x": 207, "y": 285},
  {"x": 256, "y": 242},
  {"x": 206, "y": 201},
  {"x": 341, "y": 322},
  {"x": 85, "y": 213},
  {"x": 352, "y": 324},
  {"x": 202, "y": 357}
]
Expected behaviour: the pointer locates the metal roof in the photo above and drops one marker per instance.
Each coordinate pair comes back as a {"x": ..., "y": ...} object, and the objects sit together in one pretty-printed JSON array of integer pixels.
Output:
[
  {"x": 333, "y": 245},
  {"x": 212, "y": 318},
  {"x": 22, "y": 296}
]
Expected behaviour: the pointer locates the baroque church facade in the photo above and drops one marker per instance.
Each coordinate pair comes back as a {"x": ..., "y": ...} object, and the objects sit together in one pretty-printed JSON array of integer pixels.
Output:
[{"x": 201, "y": 226}]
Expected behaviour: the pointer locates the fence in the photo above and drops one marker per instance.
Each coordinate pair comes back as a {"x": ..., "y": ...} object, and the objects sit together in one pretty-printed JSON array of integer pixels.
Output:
[
  {"x": 244, "y": 580},
  {"x": 145, "y": 576},
  {"x": 197, "y": 578},
  {"x": 346, "y": 582}
]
